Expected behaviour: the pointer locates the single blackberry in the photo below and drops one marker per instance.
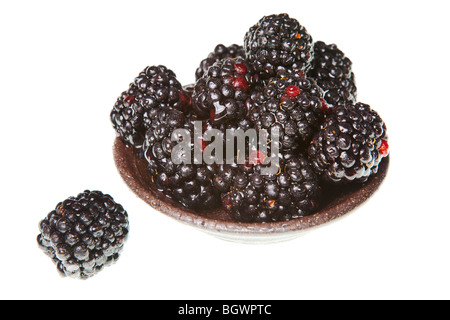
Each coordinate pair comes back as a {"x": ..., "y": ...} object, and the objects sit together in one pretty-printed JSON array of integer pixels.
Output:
[
  {"x": 333, "y": 72},
  {"x": 161, "y": 84},
  {"x": 290, "y": 102},
  {"x": 278, "y": 41},
  {"x": 84, "y": 233},
  {"x": 170, "y": 155},
  {"x": 220, "y": 52},
  {"x": 290, "y": 193},
  {"x": 350, "y": 144},
  {"x": 221, "y": 93},
  {"x": 154, "y": 89}
]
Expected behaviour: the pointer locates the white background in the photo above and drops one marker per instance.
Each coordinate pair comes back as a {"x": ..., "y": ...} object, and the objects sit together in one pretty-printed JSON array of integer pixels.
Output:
[{"x": 62, "y": 66}]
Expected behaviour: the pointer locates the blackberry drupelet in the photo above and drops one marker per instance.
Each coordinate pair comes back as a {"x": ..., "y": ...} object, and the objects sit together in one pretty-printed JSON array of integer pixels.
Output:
[
  {"x": 220, "y": 52},
  {"x": 221, "y": 93},
  {"x": 291, "y": 193},
  {"x": 84, "y": 233},
  {"x": 333, "y": 72},
  {"x": 350, "y": 144},
  {"x": 291, "y": 103},
  {"x": 154, "y": 89},
  {"x": 278, "y": 41},
  {"x": 174, "y": 170}
]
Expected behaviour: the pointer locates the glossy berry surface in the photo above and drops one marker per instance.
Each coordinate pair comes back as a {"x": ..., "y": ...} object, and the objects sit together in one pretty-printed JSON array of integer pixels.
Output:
[
  {"x": 350, "y": 145},
  {"x": 154, "y": 90},
  {"x": 84, "y": 234},
  {"x": 278, "y": 41},
  {"x": 221, "y": 93},
  {"x": 290, "y": 193},
  {"x": 333, "y": 73},
  {"x": 175, "y": 171},
  {"x": 290, "y": 103},
  {"x": 220, "y": 52}
]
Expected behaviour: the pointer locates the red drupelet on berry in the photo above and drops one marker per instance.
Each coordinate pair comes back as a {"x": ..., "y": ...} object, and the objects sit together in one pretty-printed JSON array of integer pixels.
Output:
[
  {"x": 221, "y": 93},
  {"x": 350, "y": 144},
  {"x": 291, "y": 103},
  {"x": 154, "y": 89},
  {"x": 174, "y": 170}
]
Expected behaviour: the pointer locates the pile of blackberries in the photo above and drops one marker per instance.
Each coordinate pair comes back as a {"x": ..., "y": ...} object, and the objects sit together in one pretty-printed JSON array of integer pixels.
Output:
[{"x": 297, "y": 93}]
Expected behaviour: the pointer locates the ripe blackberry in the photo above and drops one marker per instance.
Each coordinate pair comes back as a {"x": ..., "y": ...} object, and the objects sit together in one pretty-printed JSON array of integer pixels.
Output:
[
  {"x": 174, "y": 170},
  {"x": 290, "y": 102},
  {"x": 155, "y": 88},
  {"x": 291, "y": 193},
  {"x": 333, "y": 72},
  {"x": 278, "y": 41},
  {"x": 350, "y": 144},
  {"x": 160, "y": 83},
  {"x": 220, "y": 94},
  {"x": 220, "y": 52},
  {"x": 84, "y": 233}
]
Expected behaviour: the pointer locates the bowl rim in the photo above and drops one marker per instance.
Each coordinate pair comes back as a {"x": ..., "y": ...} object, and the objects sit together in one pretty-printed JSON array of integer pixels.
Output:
[{"x": 126, "y": 163}]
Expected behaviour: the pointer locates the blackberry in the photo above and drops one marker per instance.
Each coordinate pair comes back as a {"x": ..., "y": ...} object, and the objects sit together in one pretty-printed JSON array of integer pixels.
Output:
[
  {"x": 333, "y": 72},
  {"x": 278, "y": 41},
  {"x": 174, "y": 170},
  {"x": 220, "y": 52},
  {"x": 155, "y": 88},
  {"x": 290, "y": 193},
  {"x": 290, "y": 102},
  {"x": 84, "y": 233},
  {"x": 221, "y": 93},
  {"x": 350, "y": 144}
]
